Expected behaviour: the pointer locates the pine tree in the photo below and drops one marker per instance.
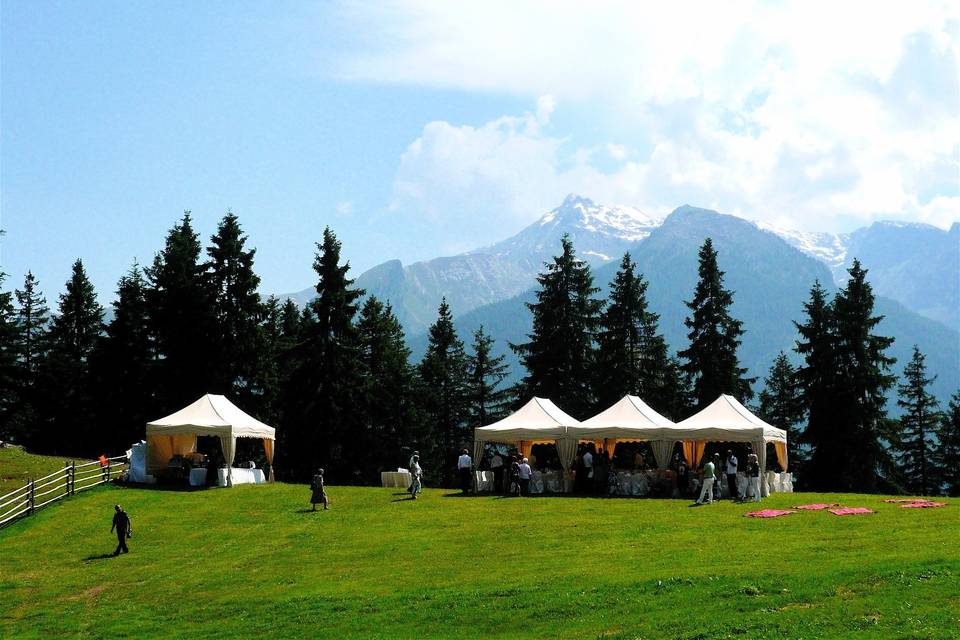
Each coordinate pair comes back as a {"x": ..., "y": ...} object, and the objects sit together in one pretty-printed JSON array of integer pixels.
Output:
[
  {"x": 675, "y": 397},
  {"x": 485, "y": 373},
  {"x": 914, "y": 448},
  {"x": 443, "y": 379},
  {"x": 27, "y": 420},
  {"x": 559, "y": 355},
  {"x": 818, "y": 382},
  {"x": 74, "y": 332},
  {"x": 326, "y": 391},
  {"x": 863, "y": 368},
  {"x": 181, "y": 319},
  {"x": 237, "y": 312},
  {"x": 632, "y": 356},
  {"x": 9, "y": 371},
  {"x": 781, "y": 405},
  {"x": 389, "y": 386},
  {"x": 121, "y": 367},
  {"x": 948, "y": 453},
  {"x": 714, "y": 336}
]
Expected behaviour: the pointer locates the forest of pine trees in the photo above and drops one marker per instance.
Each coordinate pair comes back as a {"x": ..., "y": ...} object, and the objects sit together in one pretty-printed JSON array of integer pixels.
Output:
[{"x": 336, "y": 377}]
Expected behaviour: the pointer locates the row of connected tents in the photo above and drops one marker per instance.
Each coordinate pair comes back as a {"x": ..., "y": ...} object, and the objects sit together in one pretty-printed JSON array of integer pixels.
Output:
[{"x": 540, "y": 421}]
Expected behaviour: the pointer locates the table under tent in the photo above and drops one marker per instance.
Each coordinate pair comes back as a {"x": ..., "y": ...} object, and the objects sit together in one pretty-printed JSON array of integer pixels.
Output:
[
  {"x": 175, "y": 437},
  {"x": 539, "y": 421}
]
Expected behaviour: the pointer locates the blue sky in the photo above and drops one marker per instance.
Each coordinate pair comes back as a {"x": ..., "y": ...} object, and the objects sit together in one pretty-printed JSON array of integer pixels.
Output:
[{"x": 428, "y": 128}]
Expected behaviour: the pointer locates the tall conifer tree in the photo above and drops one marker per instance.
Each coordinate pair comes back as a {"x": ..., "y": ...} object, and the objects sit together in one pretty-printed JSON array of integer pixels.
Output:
[
  {"x": 711, "y": 358},
  {"x": 74, "y": 332},
  {"x": 237, "y": 313},
  {"x": 559, "y": 355},
  {"x": 948, "y": 453},
  {"x": 485, "y": 373},
  {"x": 443, "y": 379},
  {"x": 632, "y": 356},
  {"x": 27, "y": 420},
  {"x": 781, "y": 405},
  {"x": 915, "y": 442},
  {"x": 9, "y": 371},
  {"x": 327, "y": 388}
]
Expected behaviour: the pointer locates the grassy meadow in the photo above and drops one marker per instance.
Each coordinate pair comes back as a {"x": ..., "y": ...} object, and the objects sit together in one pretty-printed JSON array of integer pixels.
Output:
[
  {"x": 253, "y": 562},
  {"x": 17, "y": 467}
]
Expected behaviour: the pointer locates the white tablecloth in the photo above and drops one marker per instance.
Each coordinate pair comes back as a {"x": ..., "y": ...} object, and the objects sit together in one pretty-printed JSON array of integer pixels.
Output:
[
  {"x": 241, "y": 476},
  {"x": 399, "y": 479},
  {"x": 198, "y": 476}
]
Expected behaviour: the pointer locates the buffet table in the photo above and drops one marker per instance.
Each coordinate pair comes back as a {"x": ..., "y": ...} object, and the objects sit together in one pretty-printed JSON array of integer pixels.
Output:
[
  {"x": 397, "y": 479},
  {"x": 198, "y": 476},
  {"x": 241, "y": 476}
]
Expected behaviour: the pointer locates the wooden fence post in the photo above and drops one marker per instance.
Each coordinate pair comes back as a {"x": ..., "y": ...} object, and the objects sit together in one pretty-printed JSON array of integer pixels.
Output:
[
  {"x": 73, "y": 477},
  {"x": 66, "y": 478},
  {"x": 108, "y": 470},
  {"x": 31, "y": 498}
]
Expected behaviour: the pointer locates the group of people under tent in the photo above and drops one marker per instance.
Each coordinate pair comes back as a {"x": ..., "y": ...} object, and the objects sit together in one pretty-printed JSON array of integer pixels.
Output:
[{"x": 596, "y": 472}]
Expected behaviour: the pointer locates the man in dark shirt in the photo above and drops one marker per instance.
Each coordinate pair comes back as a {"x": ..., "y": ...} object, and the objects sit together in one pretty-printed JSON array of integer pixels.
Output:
[{"x": 121, "y": 522}]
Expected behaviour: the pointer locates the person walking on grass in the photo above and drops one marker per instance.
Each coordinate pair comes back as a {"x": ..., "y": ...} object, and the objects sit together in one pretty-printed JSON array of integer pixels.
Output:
[
  {"x": 416, "y": 472},
  {"x": 121, "y": 523},
  {"x": 464, "y": 468},
  {"x": 732, "y": 475},
  {"x": 319, "y": 491},
  {"x": 413, "y": 455},
  {"x": 525, "y": 473},
  {"x": 753, "y": 475},
  {"x": 709, "y": 469}
]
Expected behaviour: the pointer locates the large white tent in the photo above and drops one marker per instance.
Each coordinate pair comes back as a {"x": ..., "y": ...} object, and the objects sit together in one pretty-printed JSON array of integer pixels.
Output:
[
  {"x": 211, "y": 415},
  {"x": 537, "y": 422},
  {"x": 629, "y": 420},
  {"x": 726, "y": 420}
]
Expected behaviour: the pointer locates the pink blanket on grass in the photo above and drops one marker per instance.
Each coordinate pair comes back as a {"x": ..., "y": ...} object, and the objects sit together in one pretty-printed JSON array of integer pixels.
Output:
[
  {"x": 768, "y": 513},
  {"x": 850, "y": 511},
  {"x": 816, "y": 507},
  {"x": 922, "y": 504}
]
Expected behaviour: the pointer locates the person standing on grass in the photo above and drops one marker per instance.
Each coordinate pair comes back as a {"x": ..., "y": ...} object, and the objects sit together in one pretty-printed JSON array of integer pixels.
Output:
[
  {"x": 417, "y": 473},
  {"x": 525, "y": 474},
  {"x": 514, "y": 476},
  {"x": 709, "y": 469},
  {"x": 732, "y": 475},
  {"x": 464, "y": 468},
  {"x": 121, "y": 523},
  {"x": 753, "y": 474},
  {"x": 413, "y": 455},
  {"x": 319, "y": 491},
  {"x": 496, "y": 465}
]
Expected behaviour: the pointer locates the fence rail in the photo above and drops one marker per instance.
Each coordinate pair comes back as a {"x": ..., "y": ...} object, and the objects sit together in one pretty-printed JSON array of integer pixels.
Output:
[{"x": 23, "y": 501}]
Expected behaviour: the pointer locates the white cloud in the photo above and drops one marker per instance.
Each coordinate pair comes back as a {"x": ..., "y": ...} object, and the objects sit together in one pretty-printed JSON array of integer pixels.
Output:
[{"x": 793, "y": 111}]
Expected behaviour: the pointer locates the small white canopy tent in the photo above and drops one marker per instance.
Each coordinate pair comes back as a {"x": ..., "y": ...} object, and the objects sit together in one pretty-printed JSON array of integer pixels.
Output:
[
  {"x": 726, "y": 420},
  {"x": 537, "y": 422},
  {"x": 629, "y": 420},
  {"x": 211, "y": 415}
]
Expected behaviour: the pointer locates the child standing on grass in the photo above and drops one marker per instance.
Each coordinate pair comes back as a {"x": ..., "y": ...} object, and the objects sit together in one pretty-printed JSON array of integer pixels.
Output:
[{"x": 319, "y": 492}]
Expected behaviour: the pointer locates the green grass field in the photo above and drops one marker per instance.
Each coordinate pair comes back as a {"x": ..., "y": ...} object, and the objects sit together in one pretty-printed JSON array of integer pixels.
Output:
[
  {"x": 17, "y": 467},
  {"x": 250, "y": 562}
]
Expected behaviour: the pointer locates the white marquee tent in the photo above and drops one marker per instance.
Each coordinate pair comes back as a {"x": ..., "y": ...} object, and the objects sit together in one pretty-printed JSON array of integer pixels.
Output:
[
  {"x": 537, "y": 422},
  {"x": 726, "y": 420},
  {"x": 211, "y": 415},
  {"x": 629, "y": 420}
]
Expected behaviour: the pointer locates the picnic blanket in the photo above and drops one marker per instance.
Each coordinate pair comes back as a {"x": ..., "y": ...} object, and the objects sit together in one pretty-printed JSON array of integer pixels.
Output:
[
  {"x": 922, "y": 504},
  {"x": 850, "y": 511},
  {"x": 768, "y": 513},
  {"x": 817, "y": 507}
]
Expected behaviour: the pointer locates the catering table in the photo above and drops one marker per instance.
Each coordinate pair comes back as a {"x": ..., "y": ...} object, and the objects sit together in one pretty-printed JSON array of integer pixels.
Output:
[
  {"x": 483, "y": 480},
  {"x": 241, "y": 476},
  {"x": 198, "y": 476},
  {"x": 399, "y": 479}
]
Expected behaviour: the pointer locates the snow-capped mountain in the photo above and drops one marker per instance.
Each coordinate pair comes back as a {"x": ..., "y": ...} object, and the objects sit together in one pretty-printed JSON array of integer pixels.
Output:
[{"x": 828, "y": 248}]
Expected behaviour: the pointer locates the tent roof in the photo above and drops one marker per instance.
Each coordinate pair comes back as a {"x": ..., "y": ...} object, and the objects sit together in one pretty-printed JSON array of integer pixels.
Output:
[
  {"x": 211, "y": 415},
  {"x": 539, "y": 419},
  {"x": 630, "y": 417},
  {"x": 725, "y": 419}
]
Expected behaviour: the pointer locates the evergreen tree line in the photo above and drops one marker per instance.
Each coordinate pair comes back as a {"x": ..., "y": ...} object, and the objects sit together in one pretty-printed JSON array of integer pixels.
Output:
[{"x": 337, "y": 380}]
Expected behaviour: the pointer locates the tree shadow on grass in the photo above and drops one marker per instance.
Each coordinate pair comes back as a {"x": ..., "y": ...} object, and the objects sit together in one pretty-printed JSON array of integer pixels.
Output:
[{"x": 102, "y": 556}]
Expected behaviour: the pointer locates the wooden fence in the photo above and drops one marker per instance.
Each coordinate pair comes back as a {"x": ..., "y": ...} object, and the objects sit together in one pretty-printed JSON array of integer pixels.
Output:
[{"x": 40, "y": 492}]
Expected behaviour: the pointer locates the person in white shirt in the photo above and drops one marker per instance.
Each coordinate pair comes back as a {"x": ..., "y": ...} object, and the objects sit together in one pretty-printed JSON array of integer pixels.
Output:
[
  {"x": 732, "y": 475},
  {"x": 410, "y": 469},
  {"x": 496, "y": 465},
  {"x": 464, "y": 468},
  {"x": 417, "y": 473},
  {"x": 588, "y": 468},
  {"x": 525, "y": 474}
]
